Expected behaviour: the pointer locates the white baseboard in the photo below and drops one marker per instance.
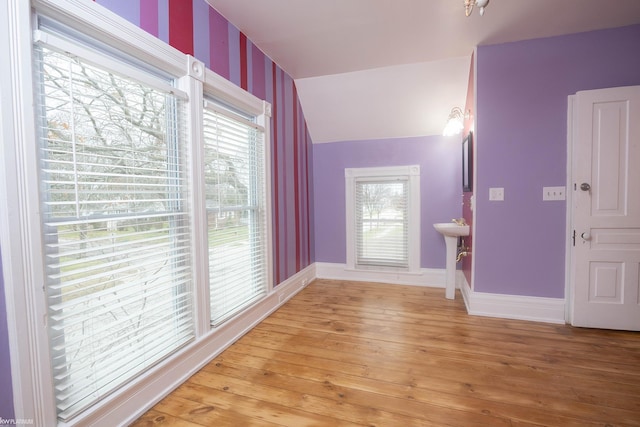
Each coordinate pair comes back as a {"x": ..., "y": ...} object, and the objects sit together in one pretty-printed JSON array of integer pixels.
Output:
[
  {"x": 129, "y": 404},
  {"x": 431, "y": 277},
  {"x": 536, "y": 309},
  {"x": 549, "y": 310}
]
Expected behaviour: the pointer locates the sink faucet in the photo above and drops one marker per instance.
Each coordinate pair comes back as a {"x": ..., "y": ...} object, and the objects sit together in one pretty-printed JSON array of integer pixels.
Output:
[{"x": 459, "y": 221}]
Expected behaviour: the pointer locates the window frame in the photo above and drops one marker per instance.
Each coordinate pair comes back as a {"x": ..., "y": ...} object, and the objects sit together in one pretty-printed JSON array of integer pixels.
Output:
[
  {"x": 20, "y": 223},
  {"x": 180, "y": 284},
  {"x": 390, "y": 173},
  {"x": 262, "y": 210}
]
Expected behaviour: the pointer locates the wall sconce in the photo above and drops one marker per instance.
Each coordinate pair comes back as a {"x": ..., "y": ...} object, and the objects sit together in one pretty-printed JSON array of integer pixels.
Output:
[
  {"x": 469, "y": 4},
  {"x": 455, "y": 121}
]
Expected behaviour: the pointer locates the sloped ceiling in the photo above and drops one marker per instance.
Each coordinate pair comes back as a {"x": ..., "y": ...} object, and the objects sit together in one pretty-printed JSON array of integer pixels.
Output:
[{"x": 369, "y": 69}]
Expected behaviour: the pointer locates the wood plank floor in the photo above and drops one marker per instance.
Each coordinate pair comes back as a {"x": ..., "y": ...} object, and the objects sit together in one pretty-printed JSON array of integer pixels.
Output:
[{"x": 365, "y": 354}]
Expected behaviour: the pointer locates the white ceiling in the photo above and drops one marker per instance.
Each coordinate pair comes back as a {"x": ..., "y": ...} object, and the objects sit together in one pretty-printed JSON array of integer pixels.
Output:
[{"x": 369, "y": 69}]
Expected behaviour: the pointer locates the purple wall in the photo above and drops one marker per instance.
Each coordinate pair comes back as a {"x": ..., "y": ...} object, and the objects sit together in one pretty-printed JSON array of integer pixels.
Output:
[
  {"x": 6, "y": 395},
  {"x": 521, "y": 124},
  {"x": 440, "y": 184}
]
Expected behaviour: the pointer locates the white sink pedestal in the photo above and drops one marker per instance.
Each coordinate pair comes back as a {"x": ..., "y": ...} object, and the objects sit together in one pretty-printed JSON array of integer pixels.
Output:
[
  {"x": 451, "y": 231},
  {"x": 451, "y": 244}
]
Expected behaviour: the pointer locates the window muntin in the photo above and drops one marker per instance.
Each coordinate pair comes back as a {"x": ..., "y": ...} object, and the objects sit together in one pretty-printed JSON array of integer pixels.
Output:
[
  {"x": 116, "y": 226},
  {"x": 235, "y": 193}
]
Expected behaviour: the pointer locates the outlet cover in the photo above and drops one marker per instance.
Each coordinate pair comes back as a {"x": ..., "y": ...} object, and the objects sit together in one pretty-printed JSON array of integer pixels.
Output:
[
  {"x": 496, "y": 194},
  {"x": 553, "y": 193}
]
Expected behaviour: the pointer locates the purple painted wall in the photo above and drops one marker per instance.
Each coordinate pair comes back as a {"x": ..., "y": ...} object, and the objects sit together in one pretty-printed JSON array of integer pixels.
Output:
[
  {"x": 440, "y": 184},
  {"x": 521, "y": 124},
  {"x": 6, "y": 394}
]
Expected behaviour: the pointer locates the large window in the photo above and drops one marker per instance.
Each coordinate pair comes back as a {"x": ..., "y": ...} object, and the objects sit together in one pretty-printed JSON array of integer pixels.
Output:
[
  {"x": 116, "y": 226},
  {"x": 141, "y": 192},
  {"x": 236, "y": 210},
  {"x": 383, "y": 210}
]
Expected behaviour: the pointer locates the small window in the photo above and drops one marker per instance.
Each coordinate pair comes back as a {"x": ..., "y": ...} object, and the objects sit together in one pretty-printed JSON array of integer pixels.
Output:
[
  {"x": 382, "y": 222},
  {"x": 383, "y": 210}
]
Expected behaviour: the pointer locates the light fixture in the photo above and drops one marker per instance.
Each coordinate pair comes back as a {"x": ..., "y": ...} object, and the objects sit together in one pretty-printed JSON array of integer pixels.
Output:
[
  {"x": 455, "y": 122},
  {"x": 469, "y": 4}
]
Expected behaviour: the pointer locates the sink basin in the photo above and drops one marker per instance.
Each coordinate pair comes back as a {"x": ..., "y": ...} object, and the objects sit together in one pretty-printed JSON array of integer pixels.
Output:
[{"x": 451, "y": 229}]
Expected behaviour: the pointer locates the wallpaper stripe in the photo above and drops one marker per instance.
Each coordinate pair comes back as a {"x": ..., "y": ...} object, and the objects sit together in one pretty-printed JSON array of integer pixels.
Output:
[
  {"x": 282, "y": 188},
  {"x": 129, "y": 10},
  {"x": 181, "y": 25},
  {"x": 296, "y": 174},
  {"x": 218, "y": 44},
  {"x": 163, "y": 20},
  {"x": 149, "y": 16},
  {"x": 258, "y": 73},
  {"x": 234, "y": 54},
  {"x": 275, "y": 169},
  {"x": 243, "y": 62},
  {"x": 201, "y": 45},
  {"x": 309, "y": 225}
]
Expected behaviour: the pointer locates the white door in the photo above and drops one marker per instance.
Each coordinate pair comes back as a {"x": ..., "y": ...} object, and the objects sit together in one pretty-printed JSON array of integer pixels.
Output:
[{"x": 606, "y": 209}]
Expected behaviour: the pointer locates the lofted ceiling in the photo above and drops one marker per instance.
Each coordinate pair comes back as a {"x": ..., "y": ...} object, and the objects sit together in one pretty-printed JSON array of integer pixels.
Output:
[{"x": 370, "y": 69}]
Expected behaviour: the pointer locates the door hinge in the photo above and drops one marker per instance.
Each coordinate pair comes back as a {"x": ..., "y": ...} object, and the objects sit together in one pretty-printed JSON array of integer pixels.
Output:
[{"x": 574, "y": 237}]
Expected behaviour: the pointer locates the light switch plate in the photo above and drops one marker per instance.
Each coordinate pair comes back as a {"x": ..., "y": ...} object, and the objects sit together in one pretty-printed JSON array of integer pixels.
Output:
[
  {"x": 553, "y": 193},
  {"x": 496, "y": 194}
]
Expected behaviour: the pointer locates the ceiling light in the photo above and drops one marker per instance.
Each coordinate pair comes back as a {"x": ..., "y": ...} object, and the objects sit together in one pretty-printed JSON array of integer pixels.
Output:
[
  {"x": 469, "y": 4},
  {"x": 455, "y": 123}
]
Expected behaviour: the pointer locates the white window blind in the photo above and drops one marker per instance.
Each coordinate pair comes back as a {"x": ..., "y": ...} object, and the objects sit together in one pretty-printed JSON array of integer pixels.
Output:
[
  {"x": 116, "y": 226},
  {"x": 236, "y": 213},
  {"x": 382, "y": 222}
]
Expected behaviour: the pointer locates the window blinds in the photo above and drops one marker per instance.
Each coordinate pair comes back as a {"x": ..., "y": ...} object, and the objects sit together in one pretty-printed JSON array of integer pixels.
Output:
[
  {"x": 116, "y": 226},
  {"x": 382, "y": 222},
  {"x": 236, "y": 213}
]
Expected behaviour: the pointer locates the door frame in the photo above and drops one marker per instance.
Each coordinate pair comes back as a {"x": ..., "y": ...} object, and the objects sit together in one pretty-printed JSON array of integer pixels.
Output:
[{"x": 569, "y": 254}]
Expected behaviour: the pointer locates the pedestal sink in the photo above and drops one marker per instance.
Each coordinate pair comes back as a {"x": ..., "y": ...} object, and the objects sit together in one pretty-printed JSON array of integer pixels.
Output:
[{"x": 451, "y": 231}]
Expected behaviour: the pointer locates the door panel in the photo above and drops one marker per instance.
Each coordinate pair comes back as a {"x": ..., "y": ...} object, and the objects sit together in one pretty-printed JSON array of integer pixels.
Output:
[
  {"x": 610, "y": 147},
  {"x": 606, "y": 209}
]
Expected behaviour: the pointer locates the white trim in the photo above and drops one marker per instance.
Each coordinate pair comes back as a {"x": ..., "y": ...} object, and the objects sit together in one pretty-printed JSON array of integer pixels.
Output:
[
  {"x": 548, "y": 310},
  {"x": 19, "y": 209},
  {"x": 129, "y": 404},
  {"x": 351, "y": 175},
  {"x": 474, "y": 146},
  {"x": 224, "y": 90},
  {"x": 536, "y": 309},
  {"x": 199, "y": 243},
  {"x": 430, "y": 277},
  {"x": 264, "y": 119},
  {"x": 90, "y": 18},
  {"x": 91, "y": 56},
  {"x": 569, "y": 208}
]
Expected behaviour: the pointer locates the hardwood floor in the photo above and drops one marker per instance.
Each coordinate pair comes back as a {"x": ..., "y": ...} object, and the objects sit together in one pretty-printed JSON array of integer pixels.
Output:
[{"x": 351, "y": 353}]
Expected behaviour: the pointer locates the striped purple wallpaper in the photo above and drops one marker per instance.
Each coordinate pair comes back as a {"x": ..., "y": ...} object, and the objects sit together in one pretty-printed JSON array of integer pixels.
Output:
[{"x": 195, "y": 28}]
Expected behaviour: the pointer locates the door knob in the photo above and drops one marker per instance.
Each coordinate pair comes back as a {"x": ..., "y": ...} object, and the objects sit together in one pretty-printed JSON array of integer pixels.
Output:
[
  {"x": 586, "y": 235},
  {"x": 585, "y": 187}
]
